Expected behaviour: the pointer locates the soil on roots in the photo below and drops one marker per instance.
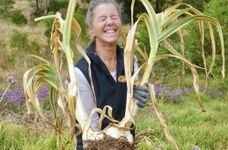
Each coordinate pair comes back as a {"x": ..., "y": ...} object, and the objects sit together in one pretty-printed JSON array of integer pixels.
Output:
[{"x": 109, "y": 143}]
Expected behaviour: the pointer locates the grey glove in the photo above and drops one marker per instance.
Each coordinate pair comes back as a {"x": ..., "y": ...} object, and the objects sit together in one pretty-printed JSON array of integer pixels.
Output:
[{"x": 141, "y": 94}]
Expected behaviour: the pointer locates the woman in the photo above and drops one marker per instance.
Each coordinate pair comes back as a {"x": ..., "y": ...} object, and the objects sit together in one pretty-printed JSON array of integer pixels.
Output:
[{"x": 103, "y": 18}]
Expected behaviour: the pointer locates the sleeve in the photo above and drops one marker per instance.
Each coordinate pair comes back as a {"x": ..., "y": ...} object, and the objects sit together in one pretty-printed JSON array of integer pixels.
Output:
[{"x": 86, "y": 96}]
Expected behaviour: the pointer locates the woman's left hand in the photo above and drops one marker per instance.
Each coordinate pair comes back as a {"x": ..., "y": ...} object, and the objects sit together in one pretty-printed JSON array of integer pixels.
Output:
[{"x": 141, "y": 94}]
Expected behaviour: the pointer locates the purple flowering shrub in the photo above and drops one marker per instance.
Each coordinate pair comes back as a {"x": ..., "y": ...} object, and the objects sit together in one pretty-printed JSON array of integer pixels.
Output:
[
  {"x": 16, "y": 96},
  {"x": 168, "y": 93},
  {"x": 14, "y": 93}
]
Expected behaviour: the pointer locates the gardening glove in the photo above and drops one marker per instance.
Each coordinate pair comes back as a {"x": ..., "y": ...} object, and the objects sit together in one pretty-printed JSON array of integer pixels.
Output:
[{"x": 141, "y": 94}]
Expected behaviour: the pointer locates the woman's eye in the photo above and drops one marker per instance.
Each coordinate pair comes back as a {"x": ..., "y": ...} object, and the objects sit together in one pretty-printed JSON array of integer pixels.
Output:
[
  {"x": 114, "y": 17},
  {"x": 102, "y": 19}
]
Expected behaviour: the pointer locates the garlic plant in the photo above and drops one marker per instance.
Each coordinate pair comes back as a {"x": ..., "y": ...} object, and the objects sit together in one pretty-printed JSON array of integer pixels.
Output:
[
  {"x": 48, "y": 73},
  {"x": 159, "y": 26},
  {"x": 68, "y": 99}
]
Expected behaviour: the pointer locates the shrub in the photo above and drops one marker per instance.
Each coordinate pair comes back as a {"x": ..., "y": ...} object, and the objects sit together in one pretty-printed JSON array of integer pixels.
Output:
[
  {"x": 57, "y": 5},
  {"x": 34, "y": 47},
  {"x": 22, "y": 46},
  {"x": 5, "y": 5},
  {"x": 18, "y": 18},
  {"x": 19, "y": 40}
]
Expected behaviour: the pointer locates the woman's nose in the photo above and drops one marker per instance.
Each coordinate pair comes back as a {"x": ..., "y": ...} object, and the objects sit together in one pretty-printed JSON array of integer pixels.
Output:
[{"x": 109, "y": 20}]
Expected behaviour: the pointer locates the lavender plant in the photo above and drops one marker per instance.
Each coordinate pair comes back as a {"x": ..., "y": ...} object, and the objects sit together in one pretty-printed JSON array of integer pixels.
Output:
[
  {"x": 10, "y": 80},
  {"x": 16, "y": 95}
]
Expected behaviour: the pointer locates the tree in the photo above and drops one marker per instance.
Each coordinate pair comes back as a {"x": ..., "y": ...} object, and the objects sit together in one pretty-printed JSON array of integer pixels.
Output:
[
  {"x": 37, "y": 6},
  {"x": 42, "y": 6}
]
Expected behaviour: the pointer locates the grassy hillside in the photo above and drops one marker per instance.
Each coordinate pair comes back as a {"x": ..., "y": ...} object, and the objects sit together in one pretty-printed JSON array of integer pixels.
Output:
[
  {"x": 20, "y": 36},
  {"x": 16, "y": 43}
]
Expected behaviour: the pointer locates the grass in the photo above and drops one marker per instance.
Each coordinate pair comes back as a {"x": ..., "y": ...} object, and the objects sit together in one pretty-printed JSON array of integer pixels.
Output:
[
  {"x": 27, "y": 137},
  {"x": 188, "y": 125}
]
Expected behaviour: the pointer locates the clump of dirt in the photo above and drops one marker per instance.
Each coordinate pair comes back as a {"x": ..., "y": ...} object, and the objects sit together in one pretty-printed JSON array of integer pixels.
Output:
[{"x": 109, "y": 143}]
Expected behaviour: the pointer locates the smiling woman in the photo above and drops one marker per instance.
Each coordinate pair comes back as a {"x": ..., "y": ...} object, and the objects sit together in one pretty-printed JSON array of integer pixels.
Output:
[
  {"x": 106, "y": 24},
  {"x": 103, "y": 18},
  {"x": 107, "y": 65}
]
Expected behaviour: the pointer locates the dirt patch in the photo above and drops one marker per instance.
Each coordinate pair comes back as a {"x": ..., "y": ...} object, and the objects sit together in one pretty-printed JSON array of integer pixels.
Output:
[
  {"x": 109, "y": 143},
  {"x": 31, "y": 122},
  {"x": 10, "y": 116}
]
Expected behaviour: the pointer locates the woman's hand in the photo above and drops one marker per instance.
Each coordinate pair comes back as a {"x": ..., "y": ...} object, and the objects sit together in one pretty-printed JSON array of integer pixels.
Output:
[{"x": 141, "y": 94}]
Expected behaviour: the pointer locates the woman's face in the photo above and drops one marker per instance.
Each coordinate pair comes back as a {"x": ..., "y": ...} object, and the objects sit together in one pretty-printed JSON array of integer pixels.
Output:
[{"x": 106, "y": 24}]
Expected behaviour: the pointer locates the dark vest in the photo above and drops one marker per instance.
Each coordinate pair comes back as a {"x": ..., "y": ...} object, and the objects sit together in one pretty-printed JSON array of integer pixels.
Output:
[{"x": 107, "y": 90}]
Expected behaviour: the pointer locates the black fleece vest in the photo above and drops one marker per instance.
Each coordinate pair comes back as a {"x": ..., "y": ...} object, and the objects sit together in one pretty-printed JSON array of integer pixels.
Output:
[{"x": 107, "y": 90}]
